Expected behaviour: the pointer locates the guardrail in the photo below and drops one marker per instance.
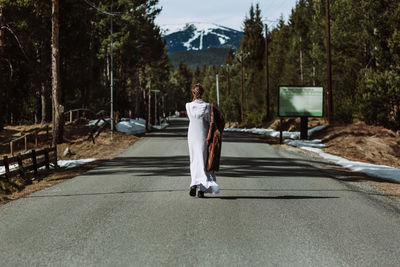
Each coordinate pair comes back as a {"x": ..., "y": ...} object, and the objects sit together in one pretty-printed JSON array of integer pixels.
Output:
[{"x": 25, "y": 163}]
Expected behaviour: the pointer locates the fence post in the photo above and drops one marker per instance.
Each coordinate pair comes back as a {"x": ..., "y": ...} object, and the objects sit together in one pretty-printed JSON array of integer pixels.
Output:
[
  {"x": 34, "y": 162},
  {"x": 12, "y": 148},
  {"x": 26, "y": 142},
  {"x": 46, "y": 158},
  {"x": 55, "y": 157},
  {"x": 36, "y": 138},
  {"x": 47, "y": 133},
  {"x": 70, "y": 116},
  {"x": 6, "y": 166},
  {"x": 21, "y": 169}
]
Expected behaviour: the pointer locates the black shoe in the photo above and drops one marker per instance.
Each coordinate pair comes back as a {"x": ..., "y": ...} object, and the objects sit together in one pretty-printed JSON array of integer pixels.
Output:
[
  {"x": 192, "y": 191},
  {"x": 200, "y": 194}
]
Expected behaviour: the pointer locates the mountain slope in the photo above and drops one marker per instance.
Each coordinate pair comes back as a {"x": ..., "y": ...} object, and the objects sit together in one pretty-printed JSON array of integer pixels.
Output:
[{"x": 200, "y": 36}]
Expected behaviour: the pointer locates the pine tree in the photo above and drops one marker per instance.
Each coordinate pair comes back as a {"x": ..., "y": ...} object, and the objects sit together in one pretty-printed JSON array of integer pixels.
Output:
[
  {"x": 58, "y": 108},
  {"x": 2, "y": 72},
  {"x": 253, "y": 44}
]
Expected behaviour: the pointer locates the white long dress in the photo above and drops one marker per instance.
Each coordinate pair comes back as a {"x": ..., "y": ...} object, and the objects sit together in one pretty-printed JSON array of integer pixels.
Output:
[{"x": 198, "y": 112}]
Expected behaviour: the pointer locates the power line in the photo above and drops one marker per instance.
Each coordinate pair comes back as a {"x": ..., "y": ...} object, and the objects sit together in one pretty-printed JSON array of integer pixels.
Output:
[{"x": 101, "y": 10}]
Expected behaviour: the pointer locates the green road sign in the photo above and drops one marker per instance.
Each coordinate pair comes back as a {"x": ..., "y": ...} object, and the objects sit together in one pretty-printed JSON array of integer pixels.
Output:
[{"x": 296, "y": 101}]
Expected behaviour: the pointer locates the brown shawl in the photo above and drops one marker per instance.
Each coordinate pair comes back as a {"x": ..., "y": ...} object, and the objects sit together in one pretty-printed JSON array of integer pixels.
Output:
[{"x": 214, "y": 139}]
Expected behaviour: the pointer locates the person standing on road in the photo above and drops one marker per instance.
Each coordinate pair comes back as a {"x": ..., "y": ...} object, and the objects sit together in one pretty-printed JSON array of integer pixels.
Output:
[{"x": 198, "y": 112}]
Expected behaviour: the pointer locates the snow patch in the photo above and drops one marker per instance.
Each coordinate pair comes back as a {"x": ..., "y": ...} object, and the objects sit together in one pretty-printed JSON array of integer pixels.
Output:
[
  {"x": 200, "y": 26},
  {"x": 101, "y": 122},
  {"x": 378, "y": 171},
  {"x": 132, "y": 126},
  {"x": 222, "y": 40},
  {"x": 136, "y": 126},
  {"x": 60, "y": 163},
  {"x": 73, "y": 163},
  {"x": 274, "y": 133},
  {"x": 292, "y": 138},
  {"x": 305, "y": 143},
  {"x": 163, "y": 125},
  {"x": 199, "y": 31}
]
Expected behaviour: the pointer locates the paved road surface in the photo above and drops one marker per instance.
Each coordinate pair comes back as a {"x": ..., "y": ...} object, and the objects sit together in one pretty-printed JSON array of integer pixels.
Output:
[{"x": 276, "y": 208}]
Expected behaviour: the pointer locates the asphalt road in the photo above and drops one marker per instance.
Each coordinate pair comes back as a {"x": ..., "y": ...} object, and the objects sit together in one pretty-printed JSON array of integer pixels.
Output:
[{"x": 277, "y": 207}]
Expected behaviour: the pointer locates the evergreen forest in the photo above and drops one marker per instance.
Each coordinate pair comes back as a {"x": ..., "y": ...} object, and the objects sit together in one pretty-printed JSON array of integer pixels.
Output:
[{"x": 365, "y": 49}]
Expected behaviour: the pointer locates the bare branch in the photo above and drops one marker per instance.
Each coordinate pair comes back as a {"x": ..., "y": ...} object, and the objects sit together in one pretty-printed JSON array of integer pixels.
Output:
[{"x": 16, "y": 38}]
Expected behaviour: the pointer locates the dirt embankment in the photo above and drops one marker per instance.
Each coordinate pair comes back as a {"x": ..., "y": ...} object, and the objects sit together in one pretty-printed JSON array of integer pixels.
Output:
[
  {"x": 357, "y": 142},
  {"x": 362, "y": 142},
  {"x": 76, "y": 140},
  {"x": 365, "y": 143}
]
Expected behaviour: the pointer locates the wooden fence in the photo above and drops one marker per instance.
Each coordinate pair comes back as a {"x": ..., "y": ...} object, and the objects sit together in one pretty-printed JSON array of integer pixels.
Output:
[
  {"x": 28, "y": 162},
  {"x": 78, "y": 112},
  {"x": 25, "y": 137},
  {"x": 35, "y": 134}
]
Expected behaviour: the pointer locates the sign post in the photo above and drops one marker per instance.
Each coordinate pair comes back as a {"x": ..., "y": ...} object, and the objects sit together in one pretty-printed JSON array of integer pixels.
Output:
[{"x": 301, "y": 101}]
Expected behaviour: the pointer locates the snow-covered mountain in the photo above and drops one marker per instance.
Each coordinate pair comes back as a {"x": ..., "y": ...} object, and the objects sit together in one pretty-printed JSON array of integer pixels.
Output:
[{"x": 200, "y": 36}]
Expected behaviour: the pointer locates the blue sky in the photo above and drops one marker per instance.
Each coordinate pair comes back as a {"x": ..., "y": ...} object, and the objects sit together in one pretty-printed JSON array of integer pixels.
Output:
[{"x": 229, "y": 13}]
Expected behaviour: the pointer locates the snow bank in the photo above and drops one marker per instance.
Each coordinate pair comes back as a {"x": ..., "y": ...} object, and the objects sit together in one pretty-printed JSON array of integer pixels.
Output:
[
  {"x": 292, "y": 138},
  {"x": 162, "y": 126},
  {"x": 61, "y": 163},
  {"x": 378, "y": 171},
  {"x": 3, "y": 169},
  {"x": 73, "y": 163},
  {"x": 305, "y": 143},
  {"x": 93, "y": 122},
  {"x": 273, "y": 133},
  {"x": 131, "y": 126}
]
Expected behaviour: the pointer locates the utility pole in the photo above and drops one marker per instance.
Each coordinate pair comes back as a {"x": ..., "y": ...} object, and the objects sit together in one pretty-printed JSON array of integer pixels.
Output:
[
  {"x": 241, "y": 56},
  {"x": 301, "y": 62},
  {"x": 149, "y": 104},
  {"x": 155, "y": 105},
  {"x": 111, "y": 75},
  {"x": 328, "y": 62},
  {"x": 216, "y": 77},
  {"x": 267, "y": 73},
  {"x": 304, "y": 119},
  {"x": 227, "y": 68},
  {"x": 111, "y": 14}
]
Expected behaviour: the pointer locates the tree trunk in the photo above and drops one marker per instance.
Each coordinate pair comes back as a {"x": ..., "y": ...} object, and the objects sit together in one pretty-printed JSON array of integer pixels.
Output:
[
  {"x": 43, "y": 77},
  {"x": 137, "y": 96},
  {"x": 43, "y": 102},
  {"x": 2, "y": 76},
  {"x": 301, "y": 63},
  {"x": 41, "y": 63},
  {"x": 313, "y": 66},
  {"x": 266, "y": 74},
  {"x": 58, "y": 109}
]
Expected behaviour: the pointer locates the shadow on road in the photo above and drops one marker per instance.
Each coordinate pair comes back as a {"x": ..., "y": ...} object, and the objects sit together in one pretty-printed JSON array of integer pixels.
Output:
[
  {"x": 276, "y": 197},
  {"x": 231, "y": 167},
  {"x": 296, "y": 197},
  {"x": 178, "y": 129}
]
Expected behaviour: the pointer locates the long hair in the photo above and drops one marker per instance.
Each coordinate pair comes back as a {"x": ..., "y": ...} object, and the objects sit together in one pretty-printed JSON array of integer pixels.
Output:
[{"x": 197, "y": 91}]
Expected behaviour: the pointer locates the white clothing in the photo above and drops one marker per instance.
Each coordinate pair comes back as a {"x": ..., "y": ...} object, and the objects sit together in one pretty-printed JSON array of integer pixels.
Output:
[{"x": 198, "y": 112}]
